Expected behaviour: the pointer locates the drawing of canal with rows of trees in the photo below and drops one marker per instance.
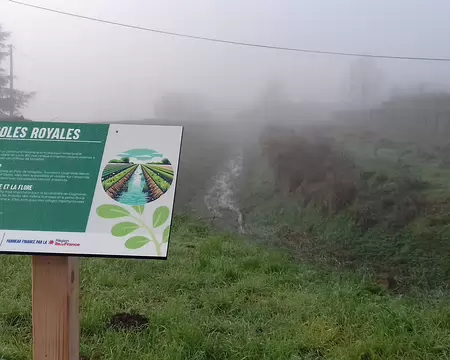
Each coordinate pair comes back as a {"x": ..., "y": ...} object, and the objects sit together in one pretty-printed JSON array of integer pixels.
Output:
[{"x": 137, "y": 177}]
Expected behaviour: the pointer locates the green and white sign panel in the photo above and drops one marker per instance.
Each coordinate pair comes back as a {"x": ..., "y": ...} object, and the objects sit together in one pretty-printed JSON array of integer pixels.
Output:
[{"x": 87, "y": 189}]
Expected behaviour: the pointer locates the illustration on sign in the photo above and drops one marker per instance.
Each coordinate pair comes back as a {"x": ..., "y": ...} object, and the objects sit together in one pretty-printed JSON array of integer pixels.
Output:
[
  {"x": 137, "y": 177},
  {"x": 125, "y": 228},
  {"x": 87, "y": 189}
]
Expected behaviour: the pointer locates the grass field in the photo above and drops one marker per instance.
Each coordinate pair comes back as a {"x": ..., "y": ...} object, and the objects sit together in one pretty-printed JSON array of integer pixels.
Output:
[
  {"x": 220, "y": 297},
  {"x": 396, "y": 226}
]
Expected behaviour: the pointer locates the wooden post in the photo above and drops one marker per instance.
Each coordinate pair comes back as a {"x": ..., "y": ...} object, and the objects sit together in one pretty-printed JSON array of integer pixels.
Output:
[{"x": 56, "y": 322}]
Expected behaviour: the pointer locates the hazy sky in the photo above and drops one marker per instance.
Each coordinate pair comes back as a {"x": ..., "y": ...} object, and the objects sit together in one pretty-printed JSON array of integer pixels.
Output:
[{"x": 84, "y": 71}]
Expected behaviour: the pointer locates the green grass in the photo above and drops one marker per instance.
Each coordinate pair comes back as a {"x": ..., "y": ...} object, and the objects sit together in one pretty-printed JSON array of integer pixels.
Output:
[
  {"x": 116, "y": 178},
  {"x": 409, "y": 243},
  {"x": 162, "y": 168},
  {"x": 219, "y": 297},
  {"x": 113, "y": 169},
  {"x": 165, "y": 174},
  {"x": 160, "y": 182}
]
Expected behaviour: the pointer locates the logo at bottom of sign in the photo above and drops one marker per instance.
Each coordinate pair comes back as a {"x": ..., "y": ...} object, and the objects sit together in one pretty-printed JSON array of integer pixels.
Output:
[{"x": 57, "y": 242}]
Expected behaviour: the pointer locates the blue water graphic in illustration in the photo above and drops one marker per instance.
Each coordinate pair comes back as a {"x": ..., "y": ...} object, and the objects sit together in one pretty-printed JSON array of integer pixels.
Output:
[{"x": 134, "y": 195}]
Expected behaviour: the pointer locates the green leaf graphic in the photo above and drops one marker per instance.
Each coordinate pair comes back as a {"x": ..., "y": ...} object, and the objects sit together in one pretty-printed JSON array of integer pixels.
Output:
[
  {"x": 139, "y": 209},
  {"x": 166, "y": 234},
  {"x": 160, "y": 216},
  {"x": 124, "y": 228},
  {"x": 136, "y": 242},
  {"x": 111, "y": 211}
]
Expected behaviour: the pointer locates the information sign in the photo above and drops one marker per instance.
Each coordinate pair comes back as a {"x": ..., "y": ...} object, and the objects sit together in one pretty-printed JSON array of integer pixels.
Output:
[{"x": 87, "y": 189}]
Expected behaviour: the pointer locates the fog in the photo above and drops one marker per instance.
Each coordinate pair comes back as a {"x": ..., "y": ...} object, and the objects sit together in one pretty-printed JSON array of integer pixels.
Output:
[
  {"x": 312, "y": 207},
  {"x": 87, "y": 71}
]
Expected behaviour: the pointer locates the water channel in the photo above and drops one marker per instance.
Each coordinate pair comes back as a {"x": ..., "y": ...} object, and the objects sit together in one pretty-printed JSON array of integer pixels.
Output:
[{"x": 134, "y": 194}]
